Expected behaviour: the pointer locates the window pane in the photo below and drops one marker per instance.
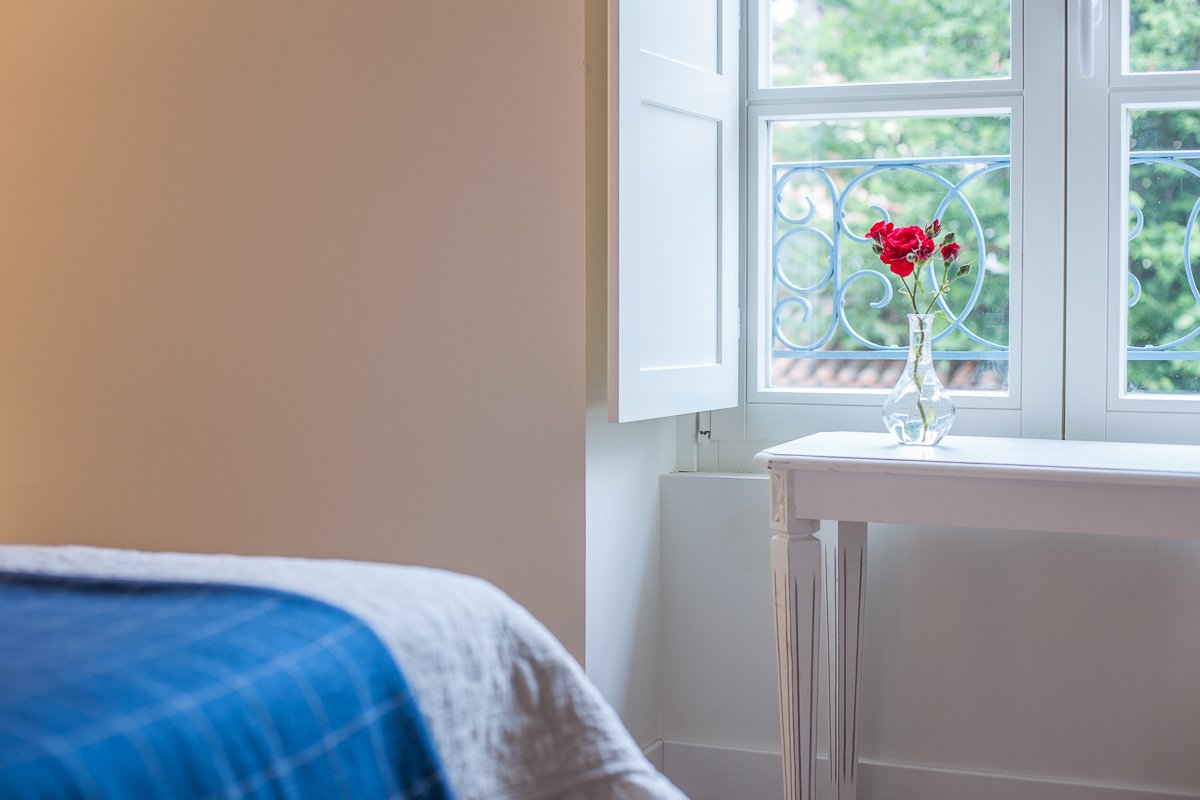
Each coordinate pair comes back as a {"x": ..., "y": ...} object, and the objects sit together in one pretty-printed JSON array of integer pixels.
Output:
[
  {"x": 1163, "y": 331},
  {"x": 1164, "y": 35},
  {"x": 817, "y": 42},
  {"x": 833, "y": 324}
]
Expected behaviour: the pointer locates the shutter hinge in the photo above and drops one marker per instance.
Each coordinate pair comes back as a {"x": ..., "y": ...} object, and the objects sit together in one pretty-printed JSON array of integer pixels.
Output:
[{"x": 704, "y": 427}]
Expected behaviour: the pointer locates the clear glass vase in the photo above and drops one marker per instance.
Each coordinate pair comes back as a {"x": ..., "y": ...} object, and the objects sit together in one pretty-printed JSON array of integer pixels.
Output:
[{"x": 919, "y": 409}]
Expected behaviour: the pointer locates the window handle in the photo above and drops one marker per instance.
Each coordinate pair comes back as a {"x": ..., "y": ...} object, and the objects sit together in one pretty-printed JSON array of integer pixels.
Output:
[{"x": 1090, "y": 14}]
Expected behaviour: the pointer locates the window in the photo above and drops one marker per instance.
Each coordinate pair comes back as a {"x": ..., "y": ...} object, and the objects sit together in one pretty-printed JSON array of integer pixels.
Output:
[
  {"x": 1081, "y": 316},
  {"x": 1133, "y": 182},
  {"x": 848, "y": 123}
]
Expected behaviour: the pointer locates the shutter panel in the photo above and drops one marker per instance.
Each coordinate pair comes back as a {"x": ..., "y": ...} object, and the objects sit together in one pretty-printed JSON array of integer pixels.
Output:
[{"x": 673, "y": 207}]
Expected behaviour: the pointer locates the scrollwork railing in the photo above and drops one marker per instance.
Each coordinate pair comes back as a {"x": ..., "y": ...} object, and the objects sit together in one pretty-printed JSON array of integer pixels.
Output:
[
  {"x": 1176, "y": 160},
  {"x": 840, "y": 337}
]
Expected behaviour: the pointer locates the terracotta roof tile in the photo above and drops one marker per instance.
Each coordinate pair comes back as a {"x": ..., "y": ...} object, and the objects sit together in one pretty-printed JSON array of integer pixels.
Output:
[{"x": 835, "y": 373}]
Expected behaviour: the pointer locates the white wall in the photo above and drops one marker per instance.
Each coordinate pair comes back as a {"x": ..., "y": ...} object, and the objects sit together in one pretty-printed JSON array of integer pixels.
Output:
[
  {"x": 624, "y": 463},
  {"x": 1066, "y": 656},
  {"x": 298, "y": 277}
]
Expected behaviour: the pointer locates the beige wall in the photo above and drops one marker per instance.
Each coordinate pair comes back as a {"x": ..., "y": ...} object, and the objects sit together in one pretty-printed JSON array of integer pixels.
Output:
[{"x": 298, "y": 277}]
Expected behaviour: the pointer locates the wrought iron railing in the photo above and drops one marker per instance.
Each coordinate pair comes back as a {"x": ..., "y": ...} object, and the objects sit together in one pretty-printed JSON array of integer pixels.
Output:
[
  {"x": 832, "y": 285},
  {"x": 1167, "y": 351}
]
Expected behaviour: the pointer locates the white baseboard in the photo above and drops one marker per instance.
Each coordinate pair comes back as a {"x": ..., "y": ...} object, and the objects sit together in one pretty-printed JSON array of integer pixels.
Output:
[{"x": 719, "y": 773}]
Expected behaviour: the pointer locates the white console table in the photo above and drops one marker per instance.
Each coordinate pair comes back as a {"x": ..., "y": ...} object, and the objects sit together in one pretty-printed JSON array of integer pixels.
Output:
[{"x": 859, "y": 478}]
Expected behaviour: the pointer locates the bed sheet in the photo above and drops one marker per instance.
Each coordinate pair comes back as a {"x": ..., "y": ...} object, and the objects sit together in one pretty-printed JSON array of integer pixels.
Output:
[{"x": 510, "y": 711}]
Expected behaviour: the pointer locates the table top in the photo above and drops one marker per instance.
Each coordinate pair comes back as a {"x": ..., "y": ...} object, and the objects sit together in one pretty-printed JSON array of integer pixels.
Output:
[{"x": 980, "y": 456}]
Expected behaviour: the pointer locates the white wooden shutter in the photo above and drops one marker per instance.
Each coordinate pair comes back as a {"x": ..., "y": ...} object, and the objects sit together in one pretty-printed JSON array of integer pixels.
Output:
[{"x": 673, "y": 207}]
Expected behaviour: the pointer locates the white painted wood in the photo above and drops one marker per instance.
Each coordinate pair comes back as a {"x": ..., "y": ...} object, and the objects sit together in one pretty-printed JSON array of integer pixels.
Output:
[
  {"x": 988, "y": 459},
  {"x": 673, "y": 209},
  {"x": 1042, "y": 217},
  {"x": 1096, "y": 403},
  {"x": 1024, "y": 484},
  {"x": 796, "y": 582},
  {"x": 1024, "y": 504},
  {"x": 707, "y": 772},
  {"x": 796, "y": 570},
  {"x": 845, "y": 556},
  {"x": 696, "y": 42},
  {"x": 1088, "y": 186},
  {"x": 1017, "y": 653},
  {"x": 679, "y": 184}
]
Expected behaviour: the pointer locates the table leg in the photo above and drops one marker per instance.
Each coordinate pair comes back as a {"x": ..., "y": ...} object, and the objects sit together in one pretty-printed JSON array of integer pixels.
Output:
[
  {"x": 796, "y": 572},
  {"x": 845, "y": 584}
]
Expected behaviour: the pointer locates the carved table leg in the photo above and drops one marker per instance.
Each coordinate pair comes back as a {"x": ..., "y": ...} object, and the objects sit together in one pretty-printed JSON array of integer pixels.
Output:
[
  {"x": 845, "y": 577},
  {"x": 796, "y": 573}
]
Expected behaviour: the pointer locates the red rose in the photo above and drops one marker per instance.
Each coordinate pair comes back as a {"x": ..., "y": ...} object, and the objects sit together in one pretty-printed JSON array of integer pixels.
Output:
[
  {"x": 934, "y": 227},
  {"x": 950, "y": 251},
  {"x": 880, "y": 230},
  {"x": 904, "y": 247}
]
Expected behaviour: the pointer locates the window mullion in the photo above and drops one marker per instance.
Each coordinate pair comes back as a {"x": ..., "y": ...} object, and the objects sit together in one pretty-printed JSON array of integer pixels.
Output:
[{"x": 1043, "y": 219}]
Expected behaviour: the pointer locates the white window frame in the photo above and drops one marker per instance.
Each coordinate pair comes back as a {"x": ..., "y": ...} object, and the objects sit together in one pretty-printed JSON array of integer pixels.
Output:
[
  {"x": 1037, "y": 221},
  {"x": 1096, "y": 406}
]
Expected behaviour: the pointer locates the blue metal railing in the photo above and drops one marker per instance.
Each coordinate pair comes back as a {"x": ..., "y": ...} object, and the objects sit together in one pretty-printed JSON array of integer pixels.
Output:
[{"x": 832, "y": 285}]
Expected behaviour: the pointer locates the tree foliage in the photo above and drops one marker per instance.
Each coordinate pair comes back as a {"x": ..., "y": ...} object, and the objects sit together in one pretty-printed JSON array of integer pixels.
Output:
[{"x": 855, "y": 41}]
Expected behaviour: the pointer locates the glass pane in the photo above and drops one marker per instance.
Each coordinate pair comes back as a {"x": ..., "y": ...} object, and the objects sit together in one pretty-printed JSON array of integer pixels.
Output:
[
  {"x": 1164, "y": 35},
  {"x": 818, "y": 42},
  {"x": 840, "y": 315},
  {"x": 1163, "y": 330}
]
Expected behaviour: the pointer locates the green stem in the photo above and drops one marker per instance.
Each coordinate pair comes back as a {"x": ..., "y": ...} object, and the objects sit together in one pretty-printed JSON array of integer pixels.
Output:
[
  {"x": 910, "y": 294},
  {"x": 919, "y": 351},
  {"x": 941, "y": 291},
  {"x": 916, "y": 379},
  {"x": 938, "y": 294}
]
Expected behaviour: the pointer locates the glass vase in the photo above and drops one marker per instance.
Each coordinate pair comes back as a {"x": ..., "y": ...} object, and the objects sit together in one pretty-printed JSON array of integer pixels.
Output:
[{"x": 919, "y": 409}]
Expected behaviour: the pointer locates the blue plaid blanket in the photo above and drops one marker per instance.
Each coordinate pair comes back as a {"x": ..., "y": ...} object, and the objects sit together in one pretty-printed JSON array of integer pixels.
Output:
[{"x": 142, "y": 689}]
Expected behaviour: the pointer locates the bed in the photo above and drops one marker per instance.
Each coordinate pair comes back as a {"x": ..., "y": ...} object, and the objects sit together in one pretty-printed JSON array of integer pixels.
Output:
[{"x": 509, "y": 714}]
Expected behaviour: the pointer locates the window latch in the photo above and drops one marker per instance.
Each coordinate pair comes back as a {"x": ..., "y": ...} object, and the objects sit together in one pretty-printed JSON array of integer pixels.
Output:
[{"x": 1090, "y": 14}]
